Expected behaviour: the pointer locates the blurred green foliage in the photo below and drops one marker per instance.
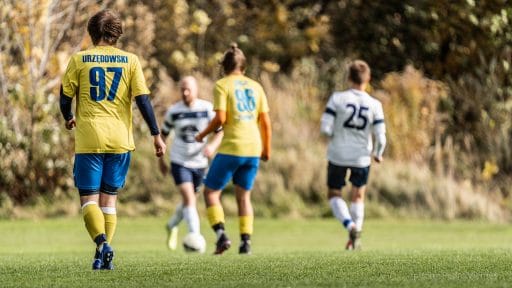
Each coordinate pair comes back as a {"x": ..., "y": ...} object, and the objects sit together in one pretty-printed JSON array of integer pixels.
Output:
[{"x": 449, "y": 110}]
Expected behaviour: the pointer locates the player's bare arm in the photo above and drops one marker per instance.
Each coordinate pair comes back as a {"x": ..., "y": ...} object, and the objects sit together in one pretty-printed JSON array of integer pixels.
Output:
[
  {"x": 266, "y": 135},
  {"x": 213, "y": 145},
  {"x": 217, "y": 121}
]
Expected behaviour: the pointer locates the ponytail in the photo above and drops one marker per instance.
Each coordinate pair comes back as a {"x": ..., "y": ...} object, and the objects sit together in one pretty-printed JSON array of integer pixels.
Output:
[{"x": 233, "y": 59}]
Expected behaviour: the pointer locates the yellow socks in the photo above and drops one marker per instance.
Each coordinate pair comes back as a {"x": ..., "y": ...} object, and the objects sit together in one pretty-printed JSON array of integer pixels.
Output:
[
  {"x": 215, "y": 215},
  {"x": 110, "y": 215},
  {"x": 93, "y": 218},
  {"x": 246, "y": 224}
]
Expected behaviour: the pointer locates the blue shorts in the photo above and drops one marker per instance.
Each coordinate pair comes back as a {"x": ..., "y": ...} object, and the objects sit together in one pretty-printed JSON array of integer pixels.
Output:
[
  {"x": 224, "y": 167},
  {"x": 336, "y": 176},
  {"x": 105, "y": 172},
  {"x": 182, "y": 174}
]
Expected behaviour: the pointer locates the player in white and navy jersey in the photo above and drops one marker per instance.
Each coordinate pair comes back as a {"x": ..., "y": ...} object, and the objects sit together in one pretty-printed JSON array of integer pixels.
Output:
[
  {"x": 350, "y": 119},
  {"x": 189, "y": 158}
]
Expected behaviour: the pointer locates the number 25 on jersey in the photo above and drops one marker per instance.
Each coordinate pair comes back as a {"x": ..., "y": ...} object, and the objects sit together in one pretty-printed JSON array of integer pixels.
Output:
[{"x": 358, "y": 118}]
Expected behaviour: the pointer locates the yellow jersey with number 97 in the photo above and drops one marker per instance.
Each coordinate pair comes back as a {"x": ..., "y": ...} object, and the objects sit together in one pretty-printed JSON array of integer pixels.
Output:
[
  {"x": 243, "y": 99},
  {"x": 104, "y": 81}
]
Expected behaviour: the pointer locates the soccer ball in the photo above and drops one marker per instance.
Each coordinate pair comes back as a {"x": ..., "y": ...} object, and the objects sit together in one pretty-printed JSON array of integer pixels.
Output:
[{"x": 194, "y": 242}]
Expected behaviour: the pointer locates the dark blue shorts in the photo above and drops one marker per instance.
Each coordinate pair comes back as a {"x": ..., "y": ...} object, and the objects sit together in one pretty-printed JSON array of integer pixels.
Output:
[
  {"x": 182, "y": 174},
  {"x": 224, "y": 167},
  {"x": 105, "y": 172},
  {"x": 336, "y": 176}
]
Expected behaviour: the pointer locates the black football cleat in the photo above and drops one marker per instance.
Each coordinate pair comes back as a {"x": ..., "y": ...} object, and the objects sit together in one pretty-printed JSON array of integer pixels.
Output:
[
  {"x": 352, "y": 236},
  {"x": 223, "y": 244},
  {"x": 245, "y": 248}
]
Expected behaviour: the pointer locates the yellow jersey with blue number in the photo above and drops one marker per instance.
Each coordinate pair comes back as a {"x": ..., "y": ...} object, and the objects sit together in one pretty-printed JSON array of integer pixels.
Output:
[
  {"x": 243, "y": 99},
  {"x": 104, "y": 81}
]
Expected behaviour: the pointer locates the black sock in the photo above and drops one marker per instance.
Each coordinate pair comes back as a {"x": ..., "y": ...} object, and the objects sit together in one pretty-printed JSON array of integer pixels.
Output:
[
  {"x": 219, "y": 230},
  {"x": 245, "y": 237},
  {"x": 218, "y": 226},
  {"x": 100, "y": 239}
]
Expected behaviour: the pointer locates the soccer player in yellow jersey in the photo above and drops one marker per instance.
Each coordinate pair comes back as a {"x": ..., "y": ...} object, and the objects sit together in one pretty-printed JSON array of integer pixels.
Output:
[
  {"x": 242, "y": 110},
  {"x": 104, "y": 80}
]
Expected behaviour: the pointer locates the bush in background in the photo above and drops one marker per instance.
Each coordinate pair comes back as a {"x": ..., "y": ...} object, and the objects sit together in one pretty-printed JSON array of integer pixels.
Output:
[{"x": 440, "y": 135}]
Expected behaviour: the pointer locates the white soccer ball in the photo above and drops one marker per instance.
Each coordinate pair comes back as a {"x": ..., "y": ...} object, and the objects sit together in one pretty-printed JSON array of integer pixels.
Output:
[{"x": 194, "y": 242}]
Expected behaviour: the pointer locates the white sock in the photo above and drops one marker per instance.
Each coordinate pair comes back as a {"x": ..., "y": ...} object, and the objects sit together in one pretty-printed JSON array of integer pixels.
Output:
[
  {"x": 108, "y": 210},
  {"x": 219, "y": 233},
  {"x": 176, "y": 217},
  {"x": 192, "y": 218},
  {"x": 340, "y": 210},
  {"x": 357, "y": 211}
]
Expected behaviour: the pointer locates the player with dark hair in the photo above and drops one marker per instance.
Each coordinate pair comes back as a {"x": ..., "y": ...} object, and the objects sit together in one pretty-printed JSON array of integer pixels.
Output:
[
  {"x": 189, "y": 159},
  {"x": 242, "y": 110},
  {"x": 105, "y": 80},
  {"x": 349, "y": 120}
]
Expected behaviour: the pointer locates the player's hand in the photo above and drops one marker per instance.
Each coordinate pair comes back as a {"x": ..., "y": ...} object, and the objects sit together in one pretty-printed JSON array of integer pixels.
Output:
[
  {"x": 70, "y": 124},
  {"x": 163, "y": 167},
  {"x": 159, "y": 145},
  {"x": 208, "y": 151},
  {"x": 377, "y": 159},
  {"x": 199, "y": 137},
  {"x": 265, "y": 155}
]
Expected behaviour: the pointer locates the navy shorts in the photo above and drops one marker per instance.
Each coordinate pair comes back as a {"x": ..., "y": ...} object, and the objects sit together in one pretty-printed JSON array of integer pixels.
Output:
[
  {"x": 224, "y": 167},
  {"x": 182, "y": 174},
  {"x": 336, "y": 176},
  {"x": 105, "y": 172}
]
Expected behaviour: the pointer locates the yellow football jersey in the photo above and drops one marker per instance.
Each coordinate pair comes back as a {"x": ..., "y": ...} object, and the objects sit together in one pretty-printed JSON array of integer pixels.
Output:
[
  {"x": 105, "y": 80},
  {"x": 243, "y": 99}
]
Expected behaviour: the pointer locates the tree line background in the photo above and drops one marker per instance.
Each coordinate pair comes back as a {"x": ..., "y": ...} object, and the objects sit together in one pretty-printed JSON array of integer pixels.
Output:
[{"x": 441, "y": 69}]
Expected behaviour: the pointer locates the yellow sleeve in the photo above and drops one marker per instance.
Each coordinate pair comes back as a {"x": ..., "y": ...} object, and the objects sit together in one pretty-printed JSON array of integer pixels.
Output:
[
  {"x": 137, "y": 81},
  {"x": 263, "y": 105},
  {"x": 70, "y": 79},
  {"x": 220, "y": 98}
]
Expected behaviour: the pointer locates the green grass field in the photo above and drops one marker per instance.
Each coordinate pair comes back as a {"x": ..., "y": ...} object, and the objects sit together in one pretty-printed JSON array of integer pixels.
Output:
[{"x": 286, "y": 253}]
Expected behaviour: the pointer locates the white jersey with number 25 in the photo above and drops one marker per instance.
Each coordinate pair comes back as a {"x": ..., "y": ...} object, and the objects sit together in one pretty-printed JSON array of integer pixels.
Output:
[{"x": 350, "y": 119}]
